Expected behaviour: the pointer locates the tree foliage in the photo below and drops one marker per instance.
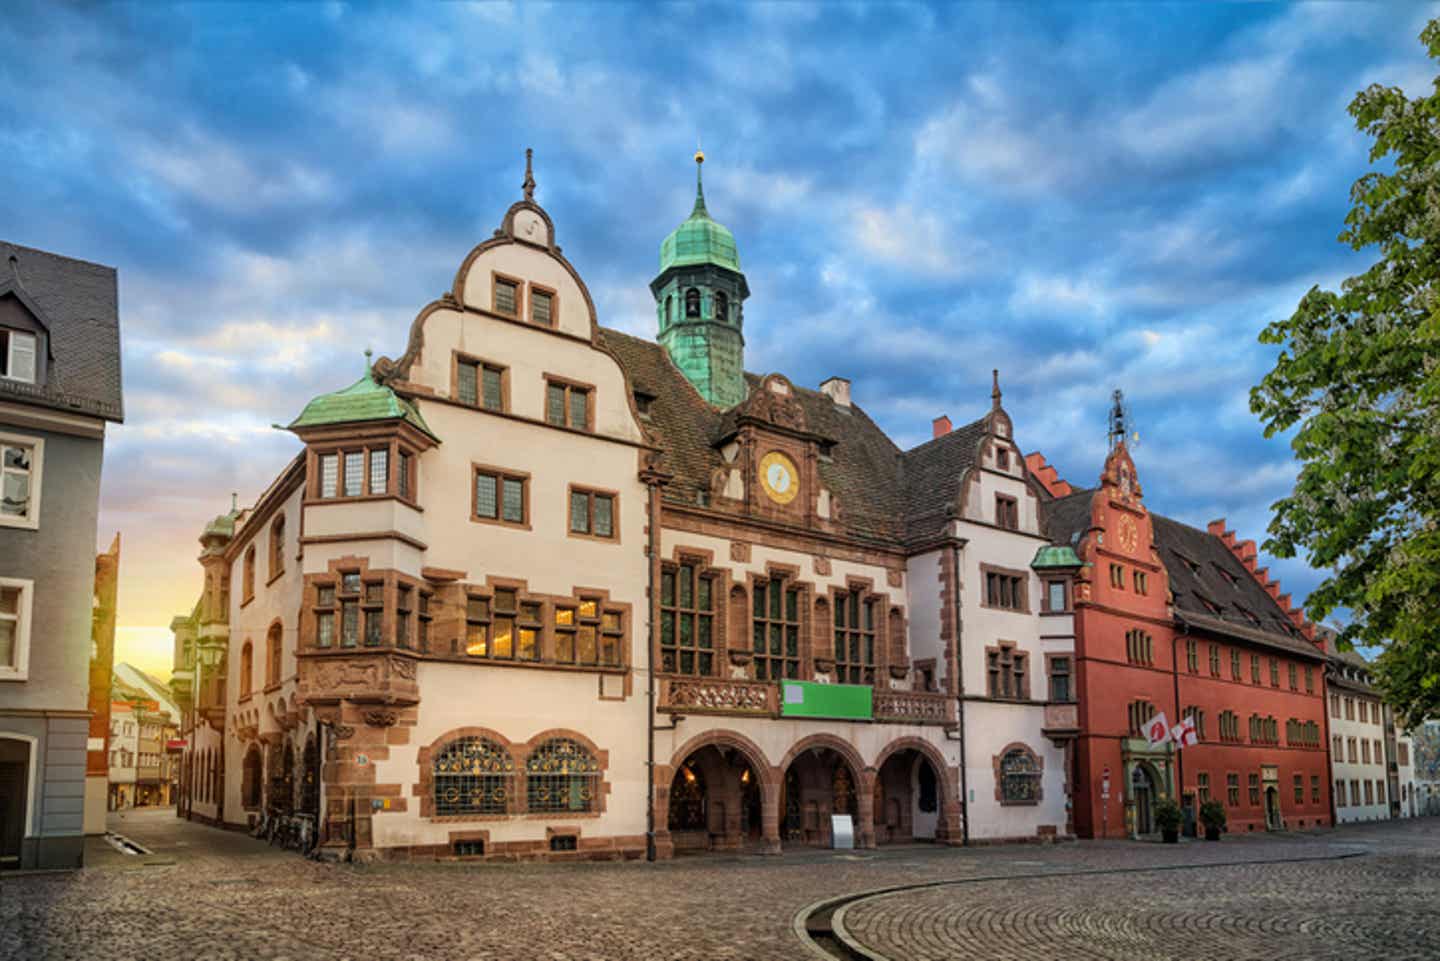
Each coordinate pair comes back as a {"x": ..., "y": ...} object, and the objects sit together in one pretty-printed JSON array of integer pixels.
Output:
[{"x": 1358, "y": 379}]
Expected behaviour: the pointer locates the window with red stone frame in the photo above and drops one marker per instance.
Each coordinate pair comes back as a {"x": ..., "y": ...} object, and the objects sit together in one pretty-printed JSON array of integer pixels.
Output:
[
  {"x": 854, "y": 638},
  {"x": 1007, "y": 672},
  {"x": 776, "y": 629}
]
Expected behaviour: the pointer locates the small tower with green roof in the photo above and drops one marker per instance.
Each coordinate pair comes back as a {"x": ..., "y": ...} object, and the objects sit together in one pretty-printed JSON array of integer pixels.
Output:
[{"x": 699, "y": 295}]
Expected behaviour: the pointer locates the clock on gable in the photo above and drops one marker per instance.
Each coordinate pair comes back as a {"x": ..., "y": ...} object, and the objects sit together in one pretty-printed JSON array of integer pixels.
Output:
[
  {"x": 779, "y": 478},
  {"x": 1127, "y": 535}
]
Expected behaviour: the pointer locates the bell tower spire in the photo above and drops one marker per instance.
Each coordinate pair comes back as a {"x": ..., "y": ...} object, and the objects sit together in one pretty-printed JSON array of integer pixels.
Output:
[{"x": 698, "y": 298}]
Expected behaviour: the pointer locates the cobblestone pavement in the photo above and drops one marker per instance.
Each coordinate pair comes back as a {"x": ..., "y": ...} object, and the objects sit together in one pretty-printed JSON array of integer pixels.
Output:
[{"x": 206, "y": 894}]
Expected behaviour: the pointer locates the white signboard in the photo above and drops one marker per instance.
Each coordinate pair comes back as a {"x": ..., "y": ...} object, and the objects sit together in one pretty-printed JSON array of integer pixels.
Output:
[
  {"x": 842, "y": 832},
  {"x": 1157, "y": 730}
]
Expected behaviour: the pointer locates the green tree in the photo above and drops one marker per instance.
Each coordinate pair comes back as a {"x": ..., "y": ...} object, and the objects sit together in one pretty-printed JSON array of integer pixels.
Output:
[{"x": 1358, "y": 378}]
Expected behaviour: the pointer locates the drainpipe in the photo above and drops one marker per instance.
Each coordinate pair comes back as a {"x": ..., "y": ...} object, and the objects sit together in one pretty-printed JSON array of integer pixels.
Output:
[
  {"x": 1325, "y": 716},
  {"x": 653, "y": 601},
  {"x": 960, "y": 685},
  {"x": 1180, "y": 751}
]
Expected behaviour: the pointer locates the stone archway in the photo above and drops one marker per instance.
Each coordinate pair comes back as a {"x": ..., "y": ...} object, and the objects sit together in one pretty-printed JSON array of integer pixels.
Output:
[
  {"x": 718, "y": 793},
  {"x": 916, "y": 794},
  {"x": 823, "y": 776}
]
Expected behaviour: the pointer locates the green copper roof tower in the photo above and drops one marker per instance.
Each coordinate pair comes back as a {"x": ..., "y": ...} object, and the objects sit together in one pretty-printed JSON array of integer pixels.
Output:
[{"x": 698, "y": 298}]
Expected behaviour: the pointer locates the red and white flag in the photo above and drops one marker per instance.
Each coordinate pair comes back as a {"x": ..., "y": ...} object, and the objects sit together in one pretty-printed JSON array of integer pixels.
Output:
[
  {"x": 1184, "y": 733},
  {"x": 1157, "y": 730}
]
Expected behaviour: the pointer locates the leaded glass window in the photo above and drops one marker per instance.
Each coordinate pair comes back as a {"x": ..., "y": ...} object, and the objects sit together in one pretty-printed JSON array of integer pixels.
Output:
[
  {"x": 561, "y": 776},
  {"x": 592, "y": 513},
  {"x": 776, "y": 630},
  {"x": 854, "y": 639},
  {"x": 473, "y": 775},
  {"x": 491, "y": 392},
  {"x": 379, "y": 471},
  {"x": 404, "y": 478},
  {"x": 540, "y": 307},
  {"x": 1019, "y": 777},
  {"x": 506, "y": 296},
  {"x": 354, "y": 472},
  {"x": 466, "y": 383},
  {"x": 555, "y": 404},
  {"x": 687, "y": 621},
  {"x": 329, "y": 475},
  {"x": 498, "y": 497}
]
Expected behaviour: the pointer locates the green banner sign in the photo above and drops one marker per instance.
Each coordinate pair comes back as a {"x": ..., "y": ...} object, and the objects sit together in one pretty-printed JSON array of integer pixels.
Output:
[{"x": 808, "y": 699}]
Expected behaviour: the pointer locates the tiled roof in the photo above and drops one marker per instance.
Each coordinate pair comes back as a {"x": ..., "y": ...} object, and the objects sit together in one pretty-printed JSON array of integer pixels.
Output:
[
  {"x": 933, "y": 472},
  {"x": 1242, "y": 608},
  {"x": 884, "y": 494},
  {"x": 79, "y": 305}
]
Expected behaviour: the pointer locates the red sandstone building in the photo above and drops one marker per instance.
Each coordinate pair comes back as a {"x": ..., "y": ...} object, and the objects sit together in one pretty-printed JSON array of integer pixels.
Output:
[{"x": 1175, "y": 620}]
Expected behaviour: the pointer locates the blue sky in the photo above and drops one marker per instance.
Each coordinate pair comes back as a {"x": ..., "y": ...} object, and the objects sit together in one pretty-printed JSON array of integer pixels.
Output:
[{"x": 1085, "y": 196}]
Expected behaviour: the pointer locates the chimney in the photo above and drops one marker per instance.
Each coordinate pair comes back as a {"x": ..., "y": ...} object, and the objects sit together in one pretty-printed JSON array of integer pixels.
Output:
[
  {"x": 940, "y": 426},
  {"x": 837, "y": 389}
]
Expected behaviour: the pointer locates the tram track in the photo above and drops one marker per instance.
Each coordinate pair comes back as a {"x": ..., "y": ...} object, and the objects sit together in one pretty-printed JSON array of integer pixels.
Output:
[{"x": 820, "y": 926}]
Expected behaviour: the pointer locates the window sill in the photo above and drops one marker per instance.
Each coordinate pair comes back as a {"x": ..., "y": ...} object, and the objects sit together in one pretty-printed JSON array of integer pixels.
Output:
[
  {"x": 245, "y": 698},
  {"x": 496, "y": 522},
  {"x": 8, "y": 674},
  {"x": 20, "y": 523},
  {"x": 1020, "y": 804},
  {"x": 598, "y": 538},
  {"x": 361, "y": 499}
]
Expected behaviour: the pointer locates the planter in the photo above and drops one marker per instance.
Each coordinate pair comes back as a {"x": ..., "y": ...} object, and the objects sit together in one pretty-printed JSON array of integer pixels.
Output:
[
  {"x": 1170, "y": 835},
  {"x": 1212, "y": 834}
]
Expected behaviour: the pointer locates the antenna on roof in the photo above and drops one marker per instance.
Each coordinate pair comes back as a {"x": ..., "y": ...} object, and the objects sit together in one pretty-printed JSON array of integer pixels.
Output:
[{"x": 1119, "y": 419}]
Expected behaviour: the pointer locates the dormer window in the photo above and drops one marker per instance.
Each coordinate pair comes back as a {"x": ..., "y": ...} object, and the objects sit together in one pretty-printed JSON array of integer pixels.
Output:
[
  {"x": 17, "y": 355},
  {"x": 1002, "y": 459},
  {"x": 692, "y": 303},
  {"x": 827, "y": 451},
  {"x": 722, "y": 307},
  {"x": 1194, "y": 567},
  {"x": 642, "y": 403}
]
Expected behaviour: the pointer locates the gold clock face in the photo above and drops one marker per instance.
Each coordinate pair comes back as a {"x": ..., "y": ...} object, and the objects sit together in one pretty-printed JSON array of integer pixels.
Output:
[
  {"x": 1127, "y": 535},
  {"x": 779, "y": 478}
]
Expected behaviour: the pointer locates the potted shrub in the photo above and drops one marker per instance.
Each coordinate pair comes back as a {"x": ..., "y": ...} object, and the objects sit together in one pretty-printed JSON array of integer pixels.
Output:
[
  {"x": 1168, "y": 818},
  {"x": 1212, "y": 815}
]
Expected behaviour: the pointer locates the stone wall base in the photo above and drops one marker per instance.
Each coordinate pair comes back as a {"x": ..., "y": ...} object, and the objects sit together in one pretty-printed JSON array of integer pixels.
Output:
[{"x": 623, "y": 848}]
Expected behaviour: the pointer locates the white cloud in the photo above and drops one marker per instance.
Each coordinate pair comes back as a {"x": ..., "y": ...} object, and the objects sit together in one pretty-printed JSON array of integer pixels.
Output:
[
  {"x": 916, "y": 240},
  {"x": 212, "y": 172}
]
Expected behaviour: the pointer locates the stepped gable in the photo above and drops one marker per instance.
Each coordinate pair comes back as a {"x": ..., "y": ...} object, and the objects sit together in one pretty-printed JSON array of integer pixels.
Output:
[
  {"x": 934, "y": 472},
  {"x": 1244, "y": 608},
  {"x": 1246, "y": 553}
]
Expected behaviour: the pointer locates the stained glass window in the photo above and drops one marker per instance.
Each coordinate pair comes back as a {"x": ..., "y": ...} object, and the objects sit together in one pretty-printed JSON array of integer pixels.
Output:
[
  {"x": 473, "y": 775},
  {"x": 561, "y": 776},
  {"x": 1019, "y": 777}
]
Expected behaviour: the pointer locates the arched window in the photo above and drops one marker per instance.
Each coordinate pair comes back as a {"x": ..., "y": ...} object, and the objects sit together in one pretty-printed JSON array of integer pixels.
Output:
[
  {"x": 274, "y": 652},
  {"x": 669, "y": 308},
  {"x": 561, "y": 776},
  {"x": 248, "y": 576},
  {"x": 722, "y": 307},
  {"x": 473, "y": 775},
  {"x": 247, "y": 669},
  {"x": 1019, "y": 777},
  {"x": 252, "y": 773},
  {"x": 277, "y": 547},
  {"x": 692, "y": 302}
]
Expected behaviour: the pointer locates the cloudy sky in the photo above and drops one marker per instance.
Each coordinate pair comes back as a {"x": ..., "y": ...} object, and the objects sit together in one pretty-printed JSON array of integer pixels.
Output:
[{"x": 1085, "y": 196}]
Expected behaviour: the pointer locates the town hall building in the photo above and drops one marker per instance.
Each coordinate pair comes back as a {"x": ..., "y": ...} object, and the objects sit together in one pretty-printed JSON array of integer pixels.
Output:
[{"x": 534, "y": 586}]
